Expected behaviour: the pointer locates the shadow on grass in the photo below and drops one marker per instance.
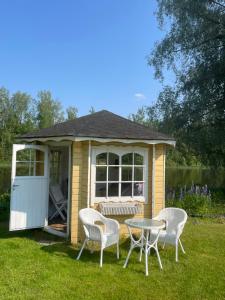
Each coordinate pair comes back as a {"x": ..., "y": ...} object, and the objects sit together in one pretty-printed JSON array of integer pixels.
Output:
[
  {"x": 37, "y": 235},
  {"x": 109, "y": 254}
]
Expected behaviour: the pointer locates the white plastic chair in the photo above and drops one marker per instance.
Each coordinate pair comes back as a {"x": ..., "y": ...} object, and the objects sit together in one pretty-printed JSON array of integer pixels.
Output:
[
  {"x": 175, "y": 219},
  {"x": 59, "y": 201},
  {"x": 93, "y": 232}
]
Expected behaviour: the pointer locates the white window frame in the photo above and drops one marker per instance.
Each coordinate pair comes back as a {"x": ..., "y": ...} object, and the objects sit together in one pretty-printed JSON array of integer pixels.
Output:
[{"x": 119, "y": 151}]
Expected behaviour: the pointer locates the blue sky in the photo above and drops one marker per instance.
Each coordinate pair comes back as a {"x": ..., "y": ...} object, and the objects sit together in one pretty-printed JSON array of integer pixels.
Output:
[{"x": 87, "y": 53}]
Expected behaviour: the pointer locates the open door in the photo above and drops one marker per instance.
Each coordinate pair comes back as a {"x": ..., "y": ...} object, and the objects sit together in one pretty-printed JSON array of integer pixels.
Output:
[{"x": 29, "y": 187}]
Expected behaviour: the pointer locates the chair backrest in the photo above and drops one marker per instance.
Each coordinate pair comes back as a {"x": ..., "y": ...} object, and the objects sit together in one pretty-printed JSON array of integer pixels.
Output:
[
  {"x": 56, "y": 193},
  {"x": 89, "y": 215},
  {"x": 173, "y": 217}
]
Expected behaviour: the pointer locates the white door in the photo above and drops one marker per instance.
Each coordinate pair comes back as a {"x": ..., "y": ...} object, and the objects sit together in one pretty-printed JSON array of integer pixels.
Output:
[{"x": 29, "y": 187}]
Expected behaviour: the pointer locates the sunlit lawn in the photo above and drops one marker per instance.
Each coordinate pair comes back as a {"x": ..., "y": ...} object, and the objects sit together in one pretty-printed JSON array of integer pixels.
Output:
[{"x": 29, "y": 270}]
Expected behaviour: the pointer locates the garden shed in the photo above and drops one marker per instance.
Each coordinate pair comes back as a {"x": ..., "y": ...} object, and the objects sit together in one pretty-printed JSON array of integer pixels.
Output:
[{"x": 100, "y": 160}]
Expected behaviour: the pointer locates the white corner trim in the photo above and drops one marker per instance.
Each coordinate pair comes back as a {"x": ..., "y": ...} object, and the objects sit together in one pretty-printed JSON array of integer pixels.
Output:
[
  {"x": 89, "y": 173},
  {"x": 164, "y": 176},
  {"x": 153, "y": 180}
]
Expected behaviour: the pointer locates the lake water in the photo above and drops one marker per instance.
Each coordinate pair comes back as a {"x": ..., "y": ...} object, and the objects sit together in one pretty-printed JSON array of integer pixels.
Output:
[
  {"x": 175, "y": 178},
  {"x": 178, "y": 177}
]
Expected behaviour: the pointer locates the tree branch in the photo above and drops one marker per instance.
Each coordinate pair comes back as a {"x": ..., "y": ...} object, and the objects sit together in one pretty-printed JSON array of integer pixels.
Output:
[
  {"x": 219, "y": 36},
  {"x": 218, "y": 3}
]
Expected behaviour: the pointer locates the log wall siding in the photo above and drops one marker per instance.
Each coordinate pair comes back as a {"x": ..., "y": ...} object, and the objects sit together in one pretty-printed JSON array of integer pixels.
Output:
[
  {"x": 79, "y": 183},
  {"x": 80, "y": 180},
  {"x": 159, "y": 179}
]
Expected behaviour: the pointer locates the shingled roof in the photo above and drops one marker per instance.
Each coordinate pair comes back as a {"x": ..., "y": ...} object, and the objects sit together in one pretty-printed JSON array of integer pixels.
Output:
[{"x": 102, "y": 124}]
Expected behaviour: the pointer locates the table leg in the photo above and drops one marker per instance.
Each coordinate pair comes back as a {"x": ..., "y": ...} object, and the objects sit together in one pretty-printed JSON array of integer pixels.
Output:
[
  {"x": 128, "y": 255},
  {"x": 146, "y": 253},
  {"x": 133, "y": 243}
]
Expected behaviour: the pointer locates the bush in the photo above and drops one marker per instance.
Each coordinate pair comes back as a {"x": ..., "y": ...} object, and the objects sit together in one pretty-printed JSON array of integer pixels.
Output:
[
  {"x": 4, "y": 201},
  {"x": 192, "y": 204},
  {"x": 218, "y": 195}
]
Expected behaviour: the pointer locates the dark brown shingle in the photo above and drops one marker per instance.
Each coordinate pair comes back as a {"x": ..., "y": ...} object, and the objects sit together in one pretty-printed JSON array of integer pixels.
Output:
[{"x": 102, "y": 124}]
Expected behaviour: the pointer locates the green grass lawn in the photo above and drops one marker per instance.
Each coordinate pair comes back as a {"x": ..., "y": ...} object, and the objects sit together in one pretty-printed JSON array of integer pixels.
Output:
[{"x": 29, "y": 270}]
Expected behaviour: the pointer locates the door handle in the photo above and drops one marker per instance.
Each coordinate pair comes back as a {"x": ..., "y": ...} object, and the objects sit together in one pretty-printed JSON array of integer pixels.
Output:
[{"x": 15, "y": 185}]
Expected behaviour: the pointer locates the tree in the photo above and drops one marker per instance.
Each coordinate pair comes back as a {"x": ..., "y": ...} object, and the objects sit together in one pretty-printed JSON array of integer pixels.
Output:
[
  {"x": 17, "y": 116},
  {"x": 49, "y": 111},
  {"x": 71, "y": 113},
  {"x": 194, "y": 48},
  {"x": 92, "y": 110}
]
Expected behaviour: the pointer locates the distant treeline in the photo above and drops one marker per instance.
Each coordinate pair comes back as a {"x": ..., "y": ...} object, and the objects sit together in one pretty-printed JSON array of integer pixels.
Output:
[{"x": 20, "y": 113}]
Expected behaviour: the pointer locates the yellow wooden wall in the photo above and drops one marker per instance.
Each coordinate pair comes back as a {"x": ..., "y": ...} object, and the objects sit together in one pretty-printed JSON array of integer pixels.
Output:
[
  {"x": 159, "y": 179},
  {"x": 79, "y": 187}
]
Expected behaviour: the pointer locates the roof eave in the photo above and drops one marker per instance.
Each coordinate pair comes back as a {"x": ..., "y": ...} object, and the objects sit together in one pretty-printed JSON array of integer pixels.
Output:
[{"x": 171, "y": 142}]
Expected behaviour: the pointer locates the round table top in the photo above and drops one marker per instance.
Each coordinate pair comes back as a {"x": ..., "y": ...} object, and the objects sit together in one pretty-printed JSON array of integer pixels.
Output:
[{"x": 144, "y": 223}]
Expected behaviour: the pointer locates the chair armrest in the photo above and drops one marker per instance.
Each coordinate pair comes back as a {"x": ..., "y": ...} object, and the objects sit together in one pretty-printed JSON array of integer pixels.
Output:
[
  {"x": 93, "y": 231},
  {"x": 111, "y": 225},
  {"x": 158, "y": 218},
  {"x": 180, "y": 228}
]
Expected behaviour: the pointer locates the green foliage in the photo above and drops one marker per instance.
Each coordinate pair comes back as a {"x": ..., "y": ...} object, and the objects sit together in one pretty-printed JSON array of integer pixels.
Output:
[
  {"x": 192, "y": 204},
  {"x": 20, "y": 113},
  {"x": 91, "y": 110},
  {"x": 4, "y": 200},
  {"x": 71, "y": 113},
  {"x": 49, "y": 111},
  {"x": 218, "y": 195},
  {"x": 4, "y": 206},
  {"x": 17, "y": 116},
  {"x": 194, "y": 48}
]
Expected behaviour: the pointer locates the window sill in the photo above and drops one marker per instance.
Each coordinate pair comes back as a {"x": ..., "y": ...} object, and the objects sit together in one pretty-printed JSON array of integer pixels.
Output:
[
  {"x": 118, "y": 199},
  {"x": 110, "y": 208}
]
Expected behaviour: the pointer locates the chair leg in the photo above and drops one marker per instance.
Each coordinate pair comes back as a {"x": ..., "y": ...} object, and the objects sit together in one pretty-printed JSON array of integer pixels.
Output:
[
  {"x": 82, "y": 248},
  {"x": 140, "y": 256},
  {"x": 182, "y": 248},
  {"x": 176, "y": 251},
  {"x": 164, "y": 243},
  {"x": 101, "y": 257},
  {"x": 117, "y": 251}
]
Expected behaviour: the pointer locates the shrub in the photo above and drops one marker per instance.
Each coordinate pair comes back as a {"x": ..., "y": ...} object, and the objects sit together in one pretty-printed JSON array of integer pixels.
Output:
[
  {"x": 192, "y": 204},
  {"x": 218, "y": 195},
  {"x": 4, "y": 201}
]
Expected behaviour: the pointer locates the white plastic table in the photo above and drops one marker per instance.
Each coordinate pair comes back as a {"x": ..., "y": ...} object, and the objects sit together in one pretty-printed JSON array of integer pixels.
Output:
[{"x": 145, "y": 242}]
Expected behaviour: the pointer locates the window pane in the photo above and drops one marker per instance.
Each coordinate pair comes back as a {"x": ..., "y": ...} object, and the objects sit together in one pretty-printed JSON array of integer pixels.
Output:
[
  {"x": 101, "y": 173},
  {"x": 138, "y": 173},
  {"x": 39, "y": 169},
  {"x": 113, "y": 159},
  {"x": 24, "y": 169},
  {"x": 113, "y": 189},
  {"x": 138, "y": 188},
  {"x": 100, "y": 190},
  {"x": 101, "y": 159},
  {"x": 113, "y": 174},
  {"x": 126, "y": 173},
  {"x": 27, "y": 155},
  {"x": 127, "y": 159},
  {"x": 138, "y": 159},
  {"x": 126, "y": 189},
  {"x": 55, "y": 163},
  {"x": 29, "y": 169}
]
